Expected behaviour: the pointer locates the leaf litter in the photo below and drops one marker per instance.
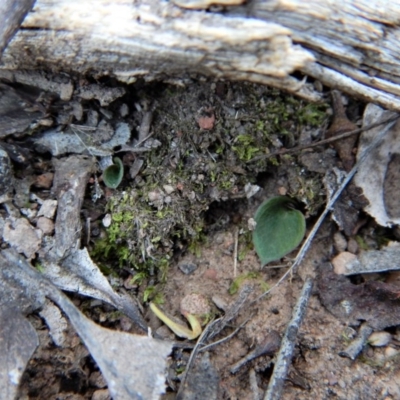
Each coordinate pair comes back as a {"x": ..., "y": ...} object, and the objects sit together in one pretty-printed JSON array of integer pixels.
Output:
[{"x": 202, "y": 165}]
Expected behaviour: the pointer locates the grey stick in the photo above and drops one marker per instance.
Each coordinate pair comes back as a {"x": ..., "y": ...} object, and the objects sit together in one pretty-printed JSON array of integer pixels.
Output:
[{"x": 284, "y": 358}]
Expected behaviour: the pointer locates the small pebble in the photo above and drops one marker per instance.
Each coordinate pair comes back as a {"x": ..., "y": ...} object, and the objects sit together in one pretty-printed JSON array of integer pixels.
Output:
[
  {"x": 340, "y": 242},
  {"x": 282, "y": 190},
  {"x": 391, "y": 352},
  {"x": 123, "y": 110},
  {"x": 168, "y": 189},
  {"x": 96, "y": 379},
  {"x": 251, "y": 224},
  {"x": 45, "y": 180},
  {"x": 29, "y": 213},
  {"x": 187, "y": 268},
  {"x": 341, "y": 260},
  {"x": 107, "y": 220},
  {"x": 46, "y": 225},
  {"x": 211, "y": 274},
  {"x": 342, "y": 383},
  {"x": 95, "y": 303},
  {"x": 352, "y": 246},
  {"x": 101, "y": 394},
  {"x": 164, "y": 333},
  {"x": 380, "y": 339},
  {"x": 206, "y": 122},
  {"x": 221, "y": 303},
  {"x": 48, "y": 208},
  {"x": 126, "y": 324}
]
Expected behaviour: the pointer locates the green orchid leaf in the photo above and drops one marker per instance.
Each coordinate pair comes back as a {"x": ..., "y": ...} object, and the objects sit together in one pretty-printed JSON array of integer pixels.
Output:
[
  {"x": 279, "y": 229},
  {"x": 113, "y": 174}
]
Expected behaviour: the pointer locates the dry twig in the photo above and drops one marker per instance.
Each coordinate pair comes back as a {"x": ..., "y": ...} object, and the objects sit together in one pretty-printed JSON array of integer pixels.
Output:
[
  {"x": 235, "y": 252},
  {"x": 325, "y": 141},
  {"x": 355, "y": 347},
  {"x": 253, "y": 384},
  {"x": 284, "y": 358},
  {"x": 268, "y": 346}
]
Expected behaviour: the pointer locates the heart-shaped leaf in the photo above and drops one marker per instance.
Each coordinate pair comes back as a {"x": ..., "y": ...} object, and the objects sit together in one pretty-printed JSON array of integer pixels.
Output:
[
  {"x": 279, "y": 229},
  {"x": 113, "y": 174}
]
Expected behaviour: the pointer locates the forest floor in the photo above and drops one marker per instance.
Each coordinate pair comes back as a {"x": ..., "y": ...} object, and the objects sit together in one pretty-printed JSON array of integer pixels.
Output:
[{"x": 201, "y": 156}]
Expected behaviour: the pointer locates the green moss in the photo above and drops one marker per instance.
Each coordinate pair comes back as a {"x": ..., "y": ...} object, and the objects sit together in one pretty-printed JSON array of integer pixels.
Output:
[
  {"x": 245, "y": 148},
  {"x": 274, "y": 161},
  {"x": 312, "y": 114},
  {"x": 114, "y": 316},
  {"x": 39, "y": 267},
  {"x": 180, "y": 369},
  {"x": 138, "y": 278},
  {"x": 199, "y": 167},
  {"x": 151, "y": 293},
  {"x": 362, "y": 244},
  {"x": 238, "y": 282}
]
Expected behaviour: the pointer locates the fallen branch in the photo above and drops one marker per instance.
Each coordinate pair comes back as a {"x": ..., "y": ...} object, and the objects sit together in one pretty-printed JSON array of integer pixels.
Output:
[{"x": 284, "y": 358}]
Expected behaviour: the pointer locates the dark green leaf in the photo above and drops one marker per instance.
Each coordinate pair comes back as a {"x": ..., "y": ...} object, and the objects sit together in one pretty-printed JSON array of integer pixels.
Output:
[
  {"x": 113, "y": 174},
  {"x": 279, "y": 229}
]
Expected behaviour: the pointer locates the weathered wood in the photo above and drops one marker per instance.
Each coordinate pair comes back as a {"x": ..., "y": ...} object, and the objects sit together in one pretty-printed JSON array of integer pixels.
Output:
[
  {"x": 355, "y": 43},
  {"x": 12, "y": 13},
  {"x": 351, "y": 45}
]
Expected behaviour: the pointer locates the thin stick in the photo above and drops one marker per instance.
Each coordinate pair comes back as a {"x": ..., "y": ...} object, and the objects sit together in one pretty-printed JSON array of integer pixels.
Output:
[
  {"x": 202, "y": 338},
  {"x": 284, "y": 358},
  {"x": 253, "y": 384},
  {"x": 88, "y": 220},
  {"x": 144, "y": 128},
  {"x": 235, "y": 252},
  {"x": 217, "y": 342},
  {"x": 268, "y": 346},
  {"x": 325, "y": 141},
  {"x": 233, "y": 310},
  {"x": 304, "y": 248},
  {"x": 143, "y": 140}
]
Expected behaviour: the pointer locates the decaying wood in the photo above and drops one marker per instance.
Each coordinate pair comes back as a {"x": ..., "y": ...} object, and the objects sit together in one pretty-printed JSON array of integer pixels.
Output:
[
  {"x": 70, "y": 180},
  {"x": 349, "y": 45},
  {"x": 354, "y": 43},
  {"x": 12, "y": 13}
]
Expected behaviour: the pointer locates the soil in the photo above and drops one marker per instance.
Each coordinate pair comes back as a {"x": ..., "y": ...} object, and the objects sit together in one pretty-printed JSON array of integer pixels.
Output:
[{"x": 189, "y": 199}]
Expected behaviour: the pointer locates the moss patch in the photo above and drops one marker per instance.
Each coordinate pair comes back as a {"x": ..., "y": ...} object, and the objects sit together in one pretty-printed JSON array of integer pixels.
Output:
[{"x": 163, "y": 208}]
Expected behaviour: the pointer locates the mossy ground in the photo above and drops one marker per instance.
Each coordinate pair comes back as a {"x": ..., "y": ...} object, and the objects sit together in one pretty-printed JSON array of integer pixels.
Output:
[{"x": 162, "y": 210}]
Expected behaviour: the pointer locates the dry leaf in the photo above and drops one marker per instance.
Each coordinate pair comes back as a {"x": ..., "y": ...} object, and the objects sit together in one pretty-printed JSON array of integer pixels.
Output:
[
  {"x": 18, "y": 341},
  {"x": 373, "y": 302},
  {"x": 383, "y": 164},
  {"x": 78, "y": 273},
  {"x": 21, "y": 235},
  {"x": 133, "y": 366}
]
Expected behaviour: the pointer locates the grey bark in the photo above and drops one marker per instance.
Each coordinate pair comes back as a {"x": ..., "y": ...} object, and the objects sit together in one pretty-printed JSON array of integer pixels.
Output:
[
  {"x": 12, "y": 13},
  {"x": 350, "y": 45}
]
